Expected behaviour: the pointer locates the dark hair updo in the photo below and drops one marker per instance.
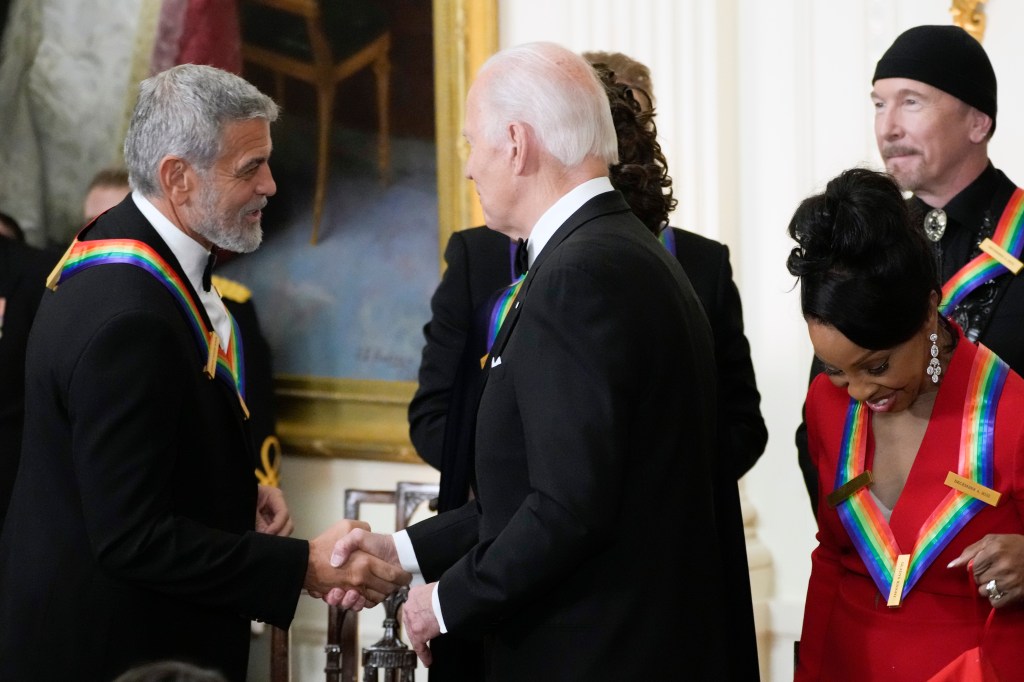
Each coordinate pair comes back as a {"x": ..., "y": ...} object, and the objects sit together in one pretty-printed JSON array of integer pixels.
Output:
[
  {"x": 864, "y": 268},
  {"x": 642, "y": 171}
]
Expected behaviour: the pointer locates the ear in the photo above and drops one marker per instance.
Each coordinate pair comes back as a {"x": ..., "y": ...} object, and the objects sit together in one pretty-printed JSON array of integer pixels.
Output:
[
  {"x": 980, "y": 126},
  {"x": 520, "y": 146},
  {"x": 177, "y": 179}
]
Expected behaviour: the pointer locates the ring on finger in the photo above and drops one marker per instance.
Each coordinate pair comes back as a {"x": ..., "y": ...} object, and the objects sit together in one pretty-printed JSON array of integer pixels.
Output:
[{"x": 993, "y": 590}]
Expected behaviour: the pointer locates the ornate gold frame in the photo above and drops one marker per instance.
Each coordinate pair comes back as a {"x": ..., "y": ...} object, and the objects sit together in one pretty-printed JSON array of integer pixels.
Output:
[
  {"x": 970, "y": 16},
  {"x": 363, "y": 419}
]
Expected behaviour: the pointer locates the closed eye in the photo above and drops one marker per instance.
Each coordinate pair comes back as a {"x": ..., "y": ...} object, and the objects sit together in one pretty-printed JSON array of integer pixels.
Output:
[{"x": 880, "y": 369}]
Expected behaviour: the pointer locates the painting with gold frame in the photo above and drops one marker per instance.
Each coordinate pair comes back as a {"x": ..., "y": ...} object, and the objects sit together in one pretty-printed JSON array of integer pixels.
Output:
[{"x": 366, "y": 418}]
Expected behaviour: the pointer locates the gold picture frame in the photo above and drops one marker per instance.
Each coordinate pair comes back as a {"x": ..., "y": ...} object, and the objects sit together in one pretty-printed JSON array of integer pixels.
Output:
[{"x": 366, "y": 419}]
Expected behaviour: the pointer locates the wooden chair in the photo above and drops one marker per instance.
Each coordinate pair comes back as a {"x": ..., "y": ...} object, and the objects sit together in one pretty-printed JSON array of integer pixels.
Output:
[
  {"x": 342, "y": 626},
  {"x": 322, "y": 42},
  {"x": 280, "y": 668}
]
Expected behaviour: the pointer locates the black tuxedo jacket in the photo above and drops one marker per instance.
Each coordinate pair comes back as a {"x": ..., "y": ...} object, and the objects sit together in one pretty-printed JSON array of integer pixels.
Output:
[
  {"x": 23, "y": 272},
  {"x": 591, "y": 546},
  {"x": 442, "y": 414},
  {"x": 130, "y": 536}
]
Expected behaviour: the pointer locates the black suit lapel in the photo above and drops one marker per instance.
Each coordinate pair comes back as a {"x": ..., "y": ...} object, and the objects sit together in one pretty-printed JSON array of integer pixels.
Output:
[
  {"x": 125, "y": 221},
  {"x": 602, "y": 204}
]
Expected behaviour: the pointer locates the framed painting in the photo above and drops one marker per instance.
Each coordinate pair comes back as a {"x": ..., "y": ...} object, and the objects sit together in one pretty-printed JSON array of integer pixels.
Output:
[{"x": 343, "y": 316}]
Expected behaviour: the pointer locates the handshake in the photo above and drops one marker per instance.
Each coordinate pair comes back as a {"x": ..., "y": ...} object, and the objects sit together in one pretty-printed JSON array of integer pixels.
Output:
[{"x": 352, "y": 568}]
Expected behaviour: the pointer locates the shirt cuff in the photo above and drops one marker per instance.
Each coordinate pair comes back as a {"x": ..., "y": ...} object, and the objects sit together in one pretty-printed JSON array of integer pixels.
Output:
[
  {"x": 407, "y": 557},
  {"x": 435, "y": 603}
]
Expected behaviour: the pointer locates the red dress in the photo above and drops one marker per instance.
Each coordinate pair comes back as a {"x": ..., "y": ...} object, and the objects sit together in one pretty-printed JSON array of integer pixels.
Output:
[{"x": 849, "y": 633}]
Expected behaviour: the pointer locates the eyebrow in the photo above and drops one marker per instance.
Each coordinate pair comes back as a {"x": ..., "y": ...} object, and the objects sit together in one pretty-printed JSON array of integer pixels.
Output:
[{"x": 254, "y": 162}]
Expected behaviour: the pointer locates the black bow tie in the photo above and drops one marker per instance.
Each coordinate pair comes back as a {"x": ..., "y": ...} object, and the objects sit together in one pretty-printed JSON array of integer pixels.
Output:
[
  {"x": 522, "y": 258},
  {"x": 208, "y": 270}
]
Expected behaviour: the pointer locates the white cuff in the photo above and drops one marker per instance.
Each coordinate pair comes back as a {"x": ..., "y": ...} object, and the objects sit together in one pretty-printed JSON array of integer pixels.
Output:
[
  {"x": 435, "y": 602},
  {"x": 407, "y": 557}
]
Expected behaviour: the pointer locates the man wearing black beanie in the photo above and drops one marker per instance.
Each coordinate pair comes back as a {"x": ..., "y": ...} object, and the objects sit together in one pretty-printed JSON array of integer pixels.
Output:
[{"x": 934, "y": 92}]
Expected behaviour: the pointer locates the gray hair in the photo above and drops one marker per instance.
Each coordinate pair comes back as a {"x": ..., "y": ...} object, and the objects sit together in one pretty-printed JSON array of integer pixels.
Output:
[
  {"x": 183, "y": 112},
  {"x": 555, "y": 92}
]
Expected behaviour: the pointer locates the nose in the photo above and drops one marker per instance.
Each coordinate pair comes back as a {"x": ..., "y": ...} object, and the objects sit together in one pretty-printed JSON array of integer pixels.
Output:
[
  {"x": 467, "y": 164},
  {"x": 860, "y": 390},
  {"x": 266, "y": 186},
  {"x": 887, "y": 125}
]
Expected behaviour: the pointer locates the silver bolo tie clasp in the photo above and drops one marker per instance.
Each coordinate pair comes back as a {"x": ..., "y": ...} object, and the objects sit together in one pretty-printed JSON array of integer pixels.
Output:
[{"x": 935, "y": 224}]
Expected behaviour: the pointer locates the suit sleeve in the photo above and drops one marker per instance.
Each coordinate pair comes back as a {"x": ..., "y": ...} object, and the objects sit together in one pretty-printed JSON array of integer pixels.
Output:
[
  {"x": 743, "y": 433},
  {"x": 124, "y": 393},
  {"x": 446, "y": 333},
  {"x": 823, "y": 586},
  {"x": 803, "y": 454},
  {"x": 576, "y": 457}
]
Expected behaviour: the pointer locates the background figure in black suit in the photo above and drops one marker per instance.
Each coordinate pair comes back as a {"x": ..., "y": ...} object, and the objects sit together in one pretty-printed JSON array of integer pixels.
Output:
[
  {"x": 596, "y": 425},
  {"x": 443, "y": 412},
  {"x": 108, "y": 187},
  {"x": 23, "y": 271},
  {"x": 934, "y": 93},
  {"x": 136, "y": 531}
]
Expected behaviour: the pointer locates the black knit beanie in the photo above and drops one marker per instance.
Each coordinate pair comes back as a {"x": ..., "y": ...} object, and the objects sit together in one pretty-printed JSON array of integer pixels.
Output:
[{"x": 945, "y": 57}]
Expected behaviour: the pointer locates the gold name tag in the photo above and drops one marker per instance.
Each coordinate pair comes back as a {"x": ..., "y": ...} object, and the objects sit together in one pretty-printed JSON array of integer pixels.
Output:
[
  {"x": 899, "y": 578},
  {"x": 211, "y": 359},
  {"x": 847, "y": 489},
  {"x": 973, "y": 488},
  {"x": 1001, "y": 255}
]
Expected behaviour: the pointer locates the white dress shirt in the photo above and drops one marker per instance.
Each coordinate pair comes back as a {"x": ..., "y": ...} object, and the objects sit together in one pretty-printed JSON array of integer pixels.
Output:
[
  {"x": 193, "y": 257},
  {"x": 546, "y": 226}
]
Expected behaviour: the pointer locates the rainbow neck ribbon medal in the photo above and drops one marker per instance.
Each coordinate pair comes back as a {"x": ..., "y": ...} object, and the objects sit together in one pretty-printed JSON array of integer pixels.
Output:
[
  {"x": 999, "y": 254},
  {"x": 501, "y": 309},
  {"x": 893, "y": 571},
  {"x": 226, "y": 364}
]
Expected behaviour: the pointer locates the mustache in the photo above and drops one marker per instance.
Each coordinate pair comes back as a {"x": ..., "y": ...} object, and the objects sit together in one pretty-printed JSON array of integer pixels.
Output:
[
  {"x": 255, "y": 205},
  {"x": 897, "y": 150}
]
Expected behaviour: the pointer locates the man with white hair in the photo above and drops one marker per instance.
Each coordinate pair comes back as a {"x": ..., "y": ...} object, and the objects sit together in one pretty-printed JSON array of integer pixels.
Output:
[{"x": 590, "y": 551}]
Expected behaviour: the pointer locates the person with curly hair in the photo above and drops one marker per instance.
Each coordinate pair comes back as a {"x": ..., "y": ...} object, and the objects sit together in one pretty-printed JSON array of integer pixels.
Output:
[{"x": 916, "y": 435}]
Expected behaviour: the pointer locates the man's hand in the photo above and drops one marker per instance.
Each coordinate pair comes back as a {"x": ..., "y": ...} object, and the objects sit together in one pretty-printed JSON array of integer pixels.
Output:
[
  {"x": 369, "y": 577},
  {"x": 359, "y": 540},
  {"x": 377, "y": 544},
  {"x": 419, "y": 620},
  {"x": 272, "y": 516}
]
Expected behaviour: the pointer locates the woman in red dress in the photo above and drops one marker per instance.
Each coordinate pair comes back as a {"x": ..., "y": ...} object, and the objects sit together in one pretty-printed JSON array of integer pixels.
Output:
[{"x": 918, "y": 438}]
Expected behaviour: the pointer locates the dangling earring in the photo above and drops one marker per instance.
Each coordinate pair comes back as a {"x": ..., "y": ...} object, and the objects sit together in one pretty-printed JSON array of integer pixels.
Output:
[{"x": 934, "y": 366}]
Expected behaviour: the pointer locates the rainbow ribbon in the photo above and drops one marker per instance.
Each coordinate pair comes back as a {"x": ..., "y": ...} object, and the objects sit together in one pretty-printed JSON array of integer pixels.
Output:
[
  {"x": 667, "y": 237},
  {"x": 1009, "y": 236},
  {"x": 863, "y": 519},
  {"x": 501, "y": 309},
  {"x": 81, "y": 256}
]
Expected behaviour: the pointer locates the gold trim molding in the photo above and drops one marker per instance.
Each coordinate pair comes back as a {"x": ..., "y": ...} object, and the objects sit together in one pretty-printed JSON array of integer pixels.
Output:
[
  {"x": 970, "y": 16},
  {"x": 364, "y": 419},
  {"x": 353, "y": 418}
]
